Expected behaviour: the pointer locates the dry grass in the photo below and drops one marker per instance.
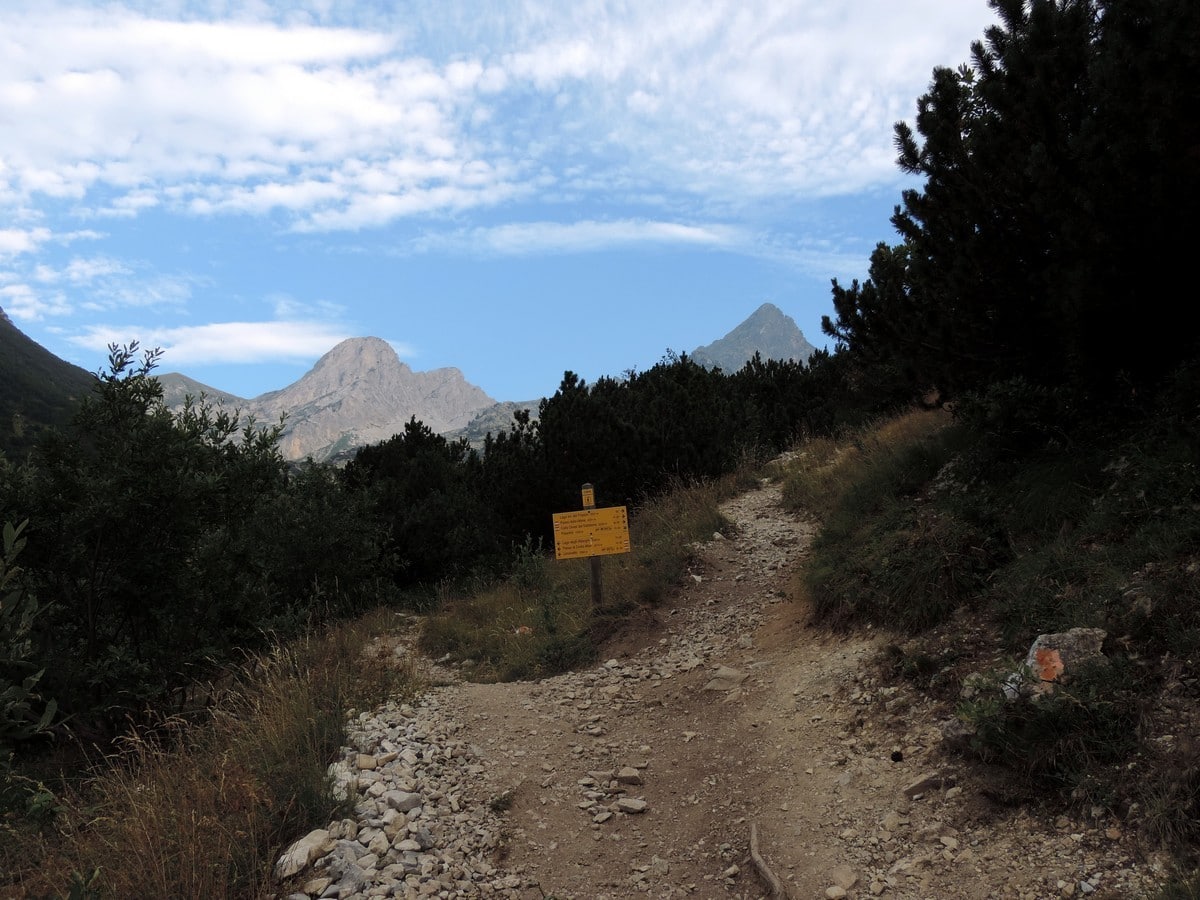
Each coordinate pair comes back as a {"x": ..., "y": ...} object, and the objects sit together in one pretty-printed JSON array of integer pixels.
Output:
[
  {"x": 541, "y": 620},
  {"x": 203, "y": 810},
  {"x": 825, "y": 470}
]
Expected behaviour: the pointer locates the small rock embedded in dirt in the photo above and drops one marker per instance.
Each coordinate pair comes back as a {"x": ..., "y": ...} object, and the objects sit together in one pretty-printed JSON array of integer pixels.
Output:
[
  {"x": 631, "y": 805},
  {"x": 925, "y": 784},
  {"x": 629, "y": 775},
  {"x": 725, "y": 679},
  {"x": 843, "y": 877}
]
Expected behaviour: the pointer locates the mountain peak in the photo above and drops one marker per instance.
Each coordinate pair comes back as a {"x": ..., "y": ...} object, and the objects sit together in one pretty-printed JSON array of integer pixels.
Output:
[
  {"x": 360, "y": 354},
  {"x": 360, "y": 392},
  {"x": 768, "y": 331}
]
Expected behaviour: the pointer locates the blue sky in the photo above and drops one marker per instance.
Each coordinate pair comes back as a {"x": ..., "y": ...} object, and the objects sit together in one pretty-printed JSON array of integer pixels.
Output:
[{"x": 512, "y": 188}]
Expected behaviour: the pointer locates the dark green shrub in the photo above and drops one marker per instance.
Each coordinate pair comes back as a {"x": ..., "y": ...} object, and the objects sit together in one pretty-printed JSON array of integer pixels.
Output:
[
  {"x": 24, "y": 713},
  {"x": 1057, "y": 738}
]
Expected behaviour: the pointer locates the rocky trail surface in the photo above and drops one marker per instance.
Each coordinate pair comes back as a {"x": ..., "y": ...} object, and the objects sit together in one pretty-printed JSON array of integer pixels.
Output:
[{"x": 643, "y": 775}]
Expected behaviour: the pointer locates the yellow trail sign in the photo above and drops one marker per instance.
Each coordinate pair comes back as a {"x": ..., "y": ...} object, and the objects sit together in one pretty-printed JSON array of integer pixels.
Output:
[{"x": 591, "y": 532}]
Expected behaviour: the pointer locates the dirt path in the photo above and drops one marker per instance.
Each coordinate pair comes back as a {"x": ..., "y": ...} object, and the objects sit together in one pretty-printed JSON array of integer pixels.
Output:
[{"x": 735, "y": 713}]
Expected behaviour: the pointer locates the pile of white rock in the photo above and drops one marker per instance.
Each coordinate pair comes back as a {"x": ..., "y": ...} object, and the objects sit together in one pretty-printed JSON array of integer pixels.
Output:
[{"x": 414, "y": 832}]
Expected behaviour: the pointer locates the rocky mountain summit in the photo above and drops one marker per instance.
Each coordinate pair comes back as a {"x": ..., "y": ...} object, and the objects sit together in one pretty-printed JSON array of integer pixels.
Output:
[
  {"x": 768, "y": 332},
  {"x": 358, "y": 393}
]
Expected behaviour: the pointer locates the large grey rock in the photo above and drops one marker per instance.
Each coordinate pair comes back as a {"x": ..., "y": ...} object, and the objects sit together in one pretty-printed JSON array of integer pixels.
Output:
[
  {"x": 302, "y": 853},
  {"x": 1053, "y": 655},
  {"x": 402, "y": 801}
]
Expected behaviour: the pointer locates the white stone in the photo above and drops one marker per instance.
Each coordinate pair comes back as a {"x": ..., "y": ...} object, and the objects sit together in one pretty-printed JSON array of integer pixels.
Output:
[{"x": 303, "y": 853}]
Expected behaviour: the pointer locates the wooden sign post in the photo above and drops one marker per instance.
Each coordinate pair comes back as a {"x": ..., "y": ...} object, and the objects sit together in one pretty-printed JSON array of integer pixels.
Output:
[
  {"x": 589, "y": 502},
  {"x": 591, "y": 533}
]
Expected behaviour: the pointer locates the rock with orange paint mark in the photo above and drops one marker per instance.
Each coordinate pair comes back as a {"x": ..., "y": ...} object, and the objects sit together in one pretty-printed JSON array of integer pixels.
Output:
[
  {"x": 1053, "y": 656},
  {"x": 1047, "y": 664}
]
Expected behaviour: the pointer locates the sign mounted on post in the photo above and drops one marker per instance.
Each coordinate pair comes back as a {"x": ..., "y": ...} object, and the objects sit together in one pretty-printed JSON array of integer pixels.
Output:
[{"x": 591, "y": 532}]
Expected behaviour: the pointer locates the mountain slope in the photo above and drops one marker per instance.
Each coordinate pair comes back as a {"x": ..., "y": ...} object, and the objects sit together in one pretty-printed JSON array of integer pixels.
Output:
[
  {"x": 768, "y": 332},
  {"x": 177, "y": 387},
  {"x": 37, "y": 389}
]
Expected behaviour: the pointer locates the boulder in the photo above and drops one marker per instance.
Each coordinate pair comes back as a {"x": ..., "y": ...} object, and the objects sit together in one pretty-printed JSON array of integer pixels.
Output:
[{"x": 303, "y": 853}]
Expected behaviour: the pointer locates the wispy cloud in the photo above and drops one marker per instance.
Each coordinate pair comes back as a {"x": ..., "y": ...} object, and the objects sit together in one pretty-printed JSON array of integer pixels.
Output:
[
  {"x": 23, "y": 302},
  {"x": 532, "y": 238},
  {"x": 92, "y": 284},
  {"x": 222, "y": 342}
]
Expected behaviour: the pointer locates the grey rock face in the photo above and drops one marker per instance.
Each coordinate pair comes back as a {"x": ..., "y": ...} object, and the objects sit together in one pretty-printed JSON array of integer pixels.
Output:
[
  {"x": 358, "y": 393},
  {"x": 767, "y": 332}
]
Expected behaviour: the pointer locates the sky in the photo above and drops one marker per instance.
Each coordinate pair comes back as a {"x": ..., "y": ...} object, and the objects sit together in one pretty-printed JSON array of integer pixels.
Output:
[{"x": 516, "y": 189}]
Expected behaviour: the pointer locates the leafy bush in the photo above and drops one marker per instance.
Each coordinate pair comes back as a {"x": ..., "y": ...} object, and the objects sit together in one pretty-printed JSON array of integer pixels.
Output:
[
  {"x": 23, "y": 712},
  {"x": 166, "y": 544}
]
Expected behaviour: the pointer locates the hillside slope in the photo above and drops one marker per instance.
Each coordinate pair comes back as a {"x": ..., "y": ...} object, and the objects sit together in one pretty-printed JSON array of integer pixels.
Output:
[{"x": 39, "y": 389}]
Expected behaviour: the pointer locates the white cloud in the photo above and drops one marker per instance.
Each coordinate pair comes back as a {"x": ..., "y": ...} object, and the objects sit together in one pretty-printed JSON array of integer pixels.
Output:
[
  {"x": 530, "y": 238},
  {"x": 87, "y": 270},
  {"x": 15, "y": 241},
  {"x": 23, "y": 302},
  {"x": 224, "y": 116},
  {"x": 732, "y": 102},
  {"x": 222, "y": 342},
  {"x": 767, "y": 98},
  {"x": 103, "y": 283},
  {"x": 88, "y": 284},
  {"x": 286, "y": 306}
]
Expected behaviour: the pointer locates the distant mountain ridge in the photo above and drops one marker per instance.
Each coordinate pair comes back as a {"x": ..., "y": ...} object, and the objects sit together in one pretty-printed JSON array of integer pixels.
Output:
[
  {"x": 358, "y": 393},
  {"x": 768, "y": 332}
]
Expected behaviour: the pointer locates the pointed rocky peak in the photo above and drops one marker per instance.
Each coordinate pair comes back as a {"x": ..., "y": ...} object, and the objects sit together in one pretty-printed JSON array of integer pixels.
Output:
[
  {"x": 362, "y": 353},
  {"x": 768, "y": 331},
  {"x": 354, "y": 360},
  {"x": 177, "y": 387},
  {"x": 359, "y": 393}
]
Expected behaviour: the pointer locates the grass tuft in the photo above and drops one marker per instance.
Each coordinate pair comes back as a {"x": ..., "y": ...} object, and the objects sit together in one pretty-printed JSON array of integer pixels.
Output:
[{"x": 203, "y": 809}]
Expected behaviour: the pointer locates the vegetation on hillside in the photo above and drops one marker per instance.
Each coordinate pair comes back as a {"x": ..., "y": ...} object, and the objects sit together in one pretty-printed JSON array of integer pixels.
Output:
[
  {"x": 40, "y": 391},
  {"x": 966, "y": 558},
  {"x": 145, "y": 549},
  {"x": 201, "y": 807}
]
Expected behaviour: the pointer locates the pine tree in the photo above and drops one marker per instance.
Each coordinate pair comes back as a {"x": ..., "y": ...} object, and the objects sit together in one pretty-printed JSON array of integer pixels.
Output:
[{"x": 1061, "y": 172}]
